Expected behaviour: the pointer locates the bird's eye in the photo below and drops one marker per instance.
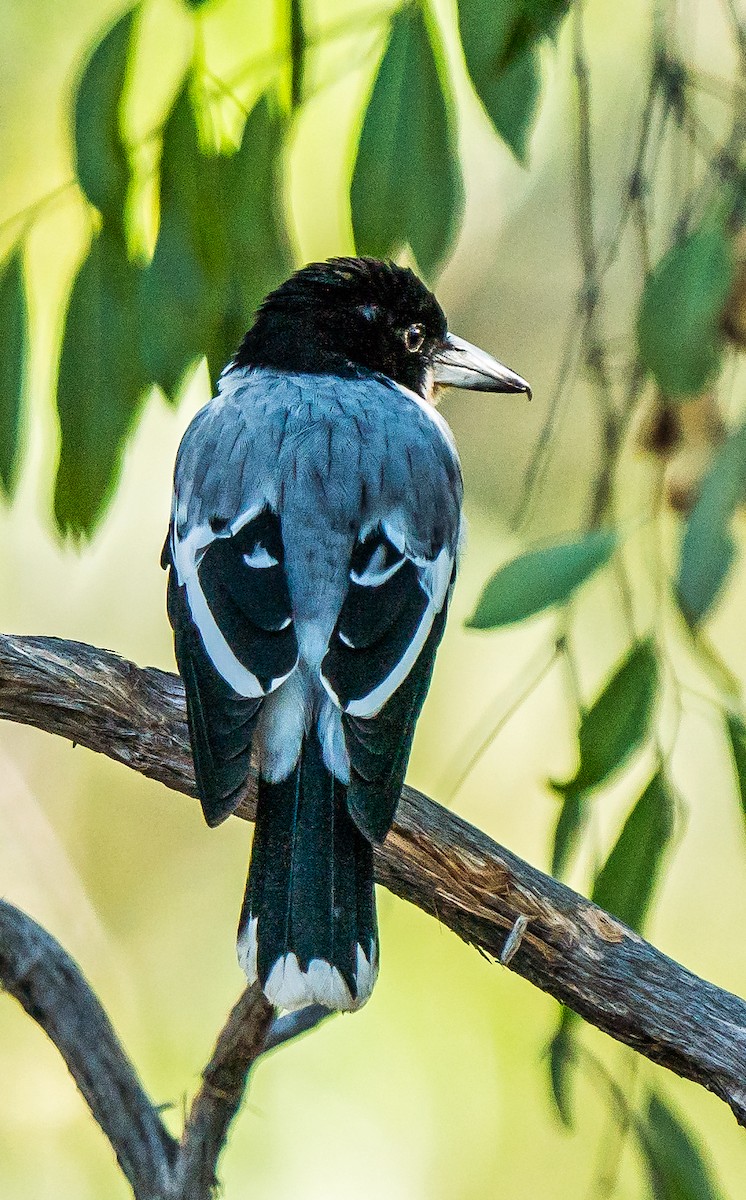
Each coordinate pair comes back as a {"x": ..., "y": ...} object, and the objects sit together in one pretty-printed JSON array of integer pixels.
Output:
[{"x": 414, "y": 336}]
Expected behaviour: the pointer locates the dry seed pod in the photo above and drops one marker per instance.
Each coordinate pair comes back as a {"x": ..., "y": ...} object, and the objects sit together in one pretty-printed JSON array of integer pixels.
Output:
[
  {"x": 685, "y": 434},
  {"x": 702, "y": 431}
]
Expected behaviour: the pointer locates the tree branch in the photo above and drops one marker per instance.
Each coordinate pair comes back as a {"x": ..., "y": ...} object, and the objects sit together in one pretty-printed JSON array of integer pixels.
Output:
[
  {"x": 566, "y": 945},
  {"x": 44, "y": 979},
  {"x": 36, "y": 970},
  {"x": 224, "y": 1078}
]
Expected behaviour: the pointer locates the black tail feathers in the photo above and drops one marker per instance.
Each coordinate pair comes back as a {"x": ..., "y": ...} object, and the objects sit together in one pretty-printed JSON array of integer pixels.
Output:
[{"x": 308, "y": 925}]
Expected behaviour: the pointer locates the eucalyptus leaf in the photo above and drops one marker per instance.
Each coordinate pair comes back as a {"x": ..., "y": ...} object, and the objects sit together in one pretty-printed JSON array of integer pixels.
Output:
[
  {"x": 406, "y": 186},
  {"x": 617, "y": 722},
  {"x": 100, "y": 153},
  {"x": 250, "y": 185},
  {"x": 676, "y": 1165},
  {"x": 561, "y": 1059},
  {"x": 737, "y": 736},
  {"x": 678, "y": 328},
  {"x": 13, "y": 357},
  {"x": 626, "y": 882},
  {"x": 539, "y": 579},
  {"x": 297, "y": 53},
  {"x": 499, "y": 38},
  {"x": 569, "y": 827},
  {"x": 707, "y": 549},
  {"x": 100, "y": 385},
  {"x": 186, "y": 286}
]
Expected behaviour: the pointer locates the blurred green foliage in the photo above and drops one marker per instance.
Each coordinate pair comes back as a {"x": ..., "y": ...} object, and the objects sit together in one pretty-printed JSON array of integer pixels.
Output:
[
  {"x": 679, "y": 323},
  {"x": 500, "y": 42},
  {"x": 14, "y": 324},
  {"x": 406, "y": 167},
  {"x": 626, "y": 882},
  {"x": 540, "y": 579},
  {"x": 609, "y": 733},
  {"x": 674, "y": 1160},
  {"x": 708, "y": 550}
]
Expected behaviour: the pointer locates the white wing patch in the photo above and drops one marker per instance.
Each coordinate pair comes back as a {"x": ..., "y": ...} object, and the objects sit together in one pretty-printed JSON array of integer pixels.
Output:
[
  {"x": 435, "y": 577},
  {"x": 259, "y": 559},
  {"x": 187, "y": 553},
  {"x": 376, "y": 572}
]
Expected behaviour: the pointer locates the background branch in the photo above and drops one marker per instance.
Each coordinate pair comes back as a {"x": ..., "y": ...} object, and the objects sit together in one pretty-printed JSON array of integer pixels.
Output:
[
  {"x": 569, "y": 948},
  {"x": 50, "y": 986},
  {"x": 44, "y": 979}
]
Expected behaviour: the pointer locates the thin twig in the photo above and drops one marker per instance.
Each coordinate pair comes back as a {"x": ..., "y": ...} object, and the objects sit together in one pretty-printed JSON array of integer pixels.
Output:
[
  {"x": 241, "y": 1041},
  {"x": 291, "y": 1025}
]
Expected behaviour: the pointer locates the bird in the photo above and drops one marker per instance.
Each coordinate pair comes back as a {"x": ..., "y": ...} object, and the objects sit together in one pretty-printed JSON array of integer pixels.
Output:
[{"x": 312, "y": 549}]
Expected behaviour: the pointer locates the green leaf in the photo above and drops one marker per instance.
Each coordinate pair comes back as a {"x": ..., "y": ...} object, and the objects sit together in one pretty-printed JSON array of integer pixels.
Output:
[
  {"x": 499, "y": 38},
  {"x": 561, "y": 1059},
  {"x": 406, "y": 186},
  {"x": 737, "y": 735},
  {"x": 101, "y": 156},
  {"x": 222, "y": 242},
  {"x": 625, "y": 884},
  {"x": 540, "y": 579},
  {"x": 678, "y": 328},
  {"x": 250, "y": 183},
  {"x": 13, "y": 357},
  {"x": 297, "y": 53},
  {"x": 676, "y": 1165},
  {"x": 570, "y": 823},
  {"x": 100, "y": 385},
  {"x": 185, "y": 287},
  {"x": 617, "y": 722},
  {"x": 707, "y": 549}
]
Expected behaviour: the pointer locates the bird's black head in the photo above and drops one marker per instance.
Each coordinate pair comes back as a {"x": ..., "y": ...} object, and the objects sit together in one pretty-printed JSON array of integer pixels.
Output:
[{"x": 348, "y": 314}]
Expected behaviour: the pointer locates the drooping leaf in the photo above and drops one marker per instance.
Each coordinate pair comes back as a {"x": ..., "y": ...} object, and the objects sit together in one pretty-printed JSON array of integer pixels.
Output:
[
  {"x": 406, "y": 186},
  {"x": 561, "y": 1058},
  {"x": 13, "y": 357},
  {"x": 251, "y": 191},
  {"x": 569, "y": 827},
  {"x": 297, "y": 54},
  {"x": 678, "y": 328},
  {"x": 540, "y": 579},
  {"x": 185, "y": 287},
  {"x": 100, "y": 384},
  {"x": 101, "y": 156},
  {"x": 617, "y": 722},
  {"x": 676, "y": 1165},
  {"x": 499, "y": 38},
  {"x": 707, "y": 549},
  {"x": 625, "y": 884},
  {"x": 737, "y": 736}
]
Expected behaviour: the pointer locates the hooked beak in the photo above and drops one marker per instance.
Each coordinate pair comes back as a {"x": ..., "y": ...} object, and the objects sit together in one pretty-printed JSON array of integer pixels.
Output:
[{"x": 459, "y": 364}]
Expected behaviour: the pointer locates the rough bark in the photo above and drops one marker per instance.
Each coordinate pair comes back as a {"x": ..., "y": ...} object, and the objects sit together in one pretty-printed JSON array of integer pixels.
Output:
[{"x": 567, "y": 946}]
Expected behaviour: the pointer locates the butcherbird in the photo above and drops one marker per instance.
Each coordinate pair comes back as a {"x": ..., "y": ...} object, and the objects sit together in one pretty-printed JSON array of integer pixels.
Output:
[{"x": 312, "y": 550}]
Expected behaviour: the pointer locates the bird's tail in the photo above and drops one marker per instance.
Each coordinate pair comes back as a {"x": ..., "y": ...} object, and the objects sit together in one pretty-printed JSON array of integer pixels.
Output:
[{"x": 308, "y": 924}]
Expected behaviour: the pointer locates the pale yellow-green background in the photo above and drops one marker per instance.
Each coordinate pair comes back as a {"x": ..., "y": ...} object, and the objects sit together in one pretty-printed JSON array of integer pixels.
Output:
[{"x": 437, "y": 1088}]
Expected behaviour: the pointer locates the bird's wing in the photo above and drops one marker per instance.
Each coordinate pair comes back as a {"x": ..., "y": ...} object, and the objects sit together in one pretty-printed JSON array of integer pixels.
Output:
[
  {"x": 379, "y": 662},
  {"x": 228, "y": 598}
]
